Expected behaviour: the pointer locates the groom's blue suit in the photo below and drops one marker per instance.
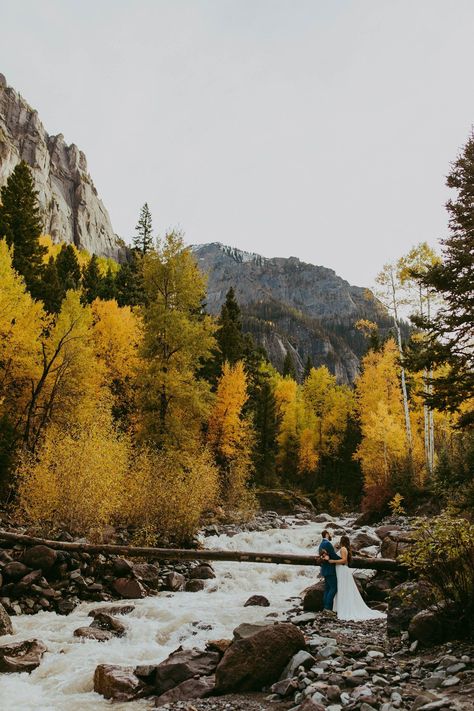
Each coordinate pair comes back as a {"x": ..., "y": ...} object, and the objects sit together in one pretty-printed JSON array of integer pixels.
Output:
[{"x": 328, "y": 572}]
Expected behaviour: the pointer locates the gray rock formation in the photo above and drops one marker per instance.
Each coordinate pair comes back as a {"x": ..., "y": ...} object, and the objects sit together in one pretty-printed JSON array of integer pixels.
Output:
[
  {"x": 292, "y": 306},
  {"x": 71, "y": 208}
]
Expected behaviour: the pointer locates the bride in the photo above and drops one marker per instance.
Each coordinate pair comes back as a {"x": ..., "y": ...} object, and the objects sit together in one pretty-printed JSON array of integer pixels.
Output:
[{"x": 348, "y": 602}]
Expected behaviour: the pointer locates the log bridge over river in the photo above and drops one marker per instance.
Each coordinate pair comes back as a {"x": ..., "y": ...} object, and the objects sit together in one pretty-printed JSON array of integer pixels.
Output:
[{"x": 195, "y": 553}]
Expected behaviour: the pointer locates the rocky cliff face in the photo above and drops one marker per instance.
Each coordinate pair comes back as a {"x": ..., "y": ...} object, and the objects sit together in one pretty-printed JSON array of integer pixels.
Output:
[
  {"x": 72, "y": 210},
  {"x": 289, "y": 305}
]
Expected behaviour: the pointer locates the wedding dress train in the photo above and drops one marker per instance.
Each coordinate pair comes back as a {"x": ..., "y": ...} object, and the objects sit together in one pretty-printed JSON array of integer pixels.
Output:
[{"x": 348, "y": 602}]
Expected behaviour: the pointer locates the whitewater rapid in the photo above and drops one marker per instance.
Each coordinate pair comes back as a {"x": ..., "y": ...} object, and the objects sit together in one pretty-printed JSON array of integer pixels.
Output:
[{"x": 157, "y": 625}]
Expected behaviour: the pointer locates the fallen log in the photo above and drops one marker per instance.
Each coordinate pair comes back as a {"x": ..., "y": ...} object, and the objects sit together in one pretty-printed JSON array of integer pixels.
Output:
[{"x": 195, "y": 554}]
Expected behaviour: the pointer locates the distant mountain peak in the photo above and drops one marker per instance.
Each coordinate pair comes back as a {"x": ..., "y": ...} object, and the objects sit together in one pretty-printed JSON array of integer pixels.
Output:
[{"x": 238, "y": 255}]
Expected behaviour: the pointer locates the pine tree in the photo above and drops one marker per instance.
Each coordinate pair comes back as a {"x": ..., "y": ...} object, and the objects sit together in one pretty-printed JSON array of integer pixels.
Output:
[
  {"x": 68, "y": 268},
  {"x": 91, "y": 281},
  {"x": 229, "y": 333},
  {"x": 308, "y": 367},
  {"x": 51, "y": 291},
  {"x": 107, "y": 290},
  {"x": 129, "y": 288},
  {"x": 289, "y": 366},
  {"x": 143, "y": 240},
  {"x": 21, "y": 224},
  {"x": 265, "y": 434}
]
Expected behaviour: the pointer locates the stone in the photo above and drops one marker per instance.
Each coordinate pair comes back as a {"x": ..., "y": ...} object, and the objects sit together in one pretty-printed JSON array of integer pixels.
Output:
[
  {"x": 122, "y": 567},
  {"x": 129, "y": 588},
  {"x": 311, "y": 705},
  {"x": 383, "y": 531},
  {"x": 202, "y": 572},
  {"x": 194, "y": 585},
  {"x": 378, "y": 589},
  {"x": 313, "y": 598},
  {"x": 258, "y": 601},
  {"x": 451, "y": 681},
  {"x": 304, "y": 618},
  {"x": 174, "y": 581},
  {"x": 93, "y": 633},
  {"x": 40, "y": 557},
  {"x": 103, "y": 621},
  {"x": 247, "y": 629},
  {"x": 21, "y": 656},
  {"x": 28, "y": 580},
  {"x": 427, "y": 627},
  {"x": 364, "y": 539},
  {"x": 301, "y": 659},
  {"x": 181, "y": 665},
  {"x": 404, "y": 601},
  {"x": 256, "y": 661},
  {"x": 65, "y": 607},
  {"x": 118, "y": 683},
  {"x": 435, "y": 705},
  {"x": 284, "y": 687},
  {"x": 111, "y": 610},
  {"x": 6, "y": 626},
  {"x": 148, "y": 573},
  {"x": 71, "y": 210},
  {"x": 15, "y": 570},
  {"x": 190, "y": 689}
]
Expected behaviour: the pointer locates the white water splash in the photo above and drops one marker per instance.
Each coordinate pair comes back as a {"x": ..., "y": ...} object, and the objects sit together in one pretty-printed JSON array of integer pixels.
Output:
[{"x": 158, "y": 625}]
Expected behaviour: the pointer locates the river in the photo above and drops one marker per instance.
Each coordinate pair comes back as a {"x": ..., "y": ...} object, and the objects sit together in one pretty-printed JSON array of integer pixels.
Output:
[{"x": 158, "y": 625}]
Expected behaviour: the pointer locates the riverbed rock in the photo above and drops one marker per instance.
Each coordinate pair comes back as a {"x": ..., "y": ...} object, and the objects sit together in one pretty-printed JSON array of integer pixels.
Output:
[
  {"x": 300, "y": 659},
  {"x": 378, "y": 589},
  {"x": 21, "y": 656},
  {"x": 313, "y": 597},
  {"x": 247, "y": 629},
  {"x": 148, "y": 573},
  {"x": 93, "y": 633},
  {"x": 111, "y": 610},
  {"x": 258, "y": 601},
  {"x": 181, "y": 665},
  {"x": 174, "y": 581},
  {"x": 194, "y": 585},
  {"x": 103, "y": 621},
  {"x": 6, "y": 626},
  {"x": 364, "y": 539},
  {"x": 404, "y": 601},
  {"x": 15, "y": 570},
  {"x": 129, "y": 588},
  {"x": 202, "y": 572},
  {"x": 256, "y": 661},
  {"x": 427, "y": 627},
  {"x": 40, "y": 557},
  {"x": 118, "y": 683},
  {"x": 190, "y": 689}
]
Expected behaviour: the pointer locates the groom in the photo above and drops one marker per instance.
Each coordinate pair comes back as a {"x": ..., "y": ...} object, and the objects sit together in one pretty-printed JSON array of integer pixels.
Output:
[{"x": 328, "y": 571}]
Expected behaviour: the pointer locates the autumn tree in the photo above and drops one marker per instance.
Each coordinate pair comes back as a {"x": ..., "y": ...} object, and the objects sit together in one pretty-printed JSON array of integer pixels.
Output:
[
  {"x": 21, "y": 224},
  {"x": 143, "y": 240},
  {"x": 177, "y": 337}
]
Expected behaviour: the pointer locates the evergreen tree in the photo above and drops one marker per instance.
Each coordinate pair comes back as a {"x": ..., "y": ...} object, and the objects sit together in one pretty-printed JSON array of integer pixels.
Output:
[
  {"x": 129, "y": 287},
  {"x": 143, "y": 240},
  {"x": 21, "y": 225},
  {"x": 265, "y": 420},
  {"x": 450, "y": 330},
  {"x": 289, "y": 366},
  {"x": 68, "y": 268},
  {"x": 50, "y": 290},
  {"x": 107, "y": 290},
  {"x": 307, "y": 368},
  {"x": 229, "y": 333},
  {"x": 91, "y": 281}
]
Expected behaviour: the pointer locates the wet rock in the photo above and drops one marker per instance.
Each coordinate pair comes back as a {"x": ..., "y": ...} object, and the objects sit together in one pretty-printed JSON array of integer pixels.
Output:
[
  {"x": 6, "y": 626},
  {"x": 181, "y": 665},
  {"x": 383, "y": 531},
  {"x": 40, "y": 557},
  {"x": 202, "y": 572},
  {"x": 256, "y": 661},
  {"x": 194, "y": 585},
  {"x": 189, "y": 689},
  {"x": 15, "y": 570},
  {"x": 93, "y": 633},
  {"x": 65, "y": 607},
  {"x": 122, "y": 567},
  {"x": 393, "y": 544},
  {"x": 313, "y": 598},
  {"x": 218, "y": 645},
  {"x": 111, "y": 610},
  {"x": 129, "y": 588},
  {"x": 257, "y": 600},
  {"x": 311, "y": 705},
  {"x": 174, "y": 581},
  {"x": 147, "y": 572},
  {"x": 28, "y": 580},
  {"x": 21, "y": 656},
  {"x": 103, "y": 621},
  {"x": 247, "y": 629},
  {"x": 118, "y": 683},
  {"x": 364, "y": 539},
  {"x": 378, "y": 589}
]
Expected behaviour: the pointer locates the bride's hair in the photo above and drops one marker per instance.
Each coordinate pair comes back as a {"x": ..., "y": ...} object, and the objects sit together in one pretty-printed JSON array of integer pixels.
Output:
[{"x": 345, "y": 542}]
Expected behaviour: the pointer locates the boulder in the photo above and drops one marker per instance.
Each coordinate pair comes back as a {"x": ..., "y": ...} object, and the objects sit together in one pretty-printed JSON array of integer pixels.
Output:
[
  {"x": 404, "y": 601},
  {"x": 118, "y": 683},
  {"x": 129, "y": 588},
  {"x": 256, "y": 661},
  {"x": 6, "y": 626},
  {"x": 21, "y": 656},
  {"x": 284, "y": 687},
  {"x": 194, "y": 585},
  {"x": 112, "y": 610},
  {"x": 383, "y": 531},
  {"x": 378, "y": 589},
  {"x": 394, "y": 543},
  {"x": 174, "y": 581},
  {"x": 122, "y": 567},
  {"x": 190, "y": 689},
  {"x": 15, "y": 570},
  {"x": 103, "y": 621},
  {"x": 202, "y": 572},
  {"x": 313, "y": 597},
  {"x": 93, "y": 633},
  {"x": 40, "y": 557},
  {"x": 258, "y": 601},
  {"x": 28, "y": 580},
  {"x": 364, "y": 539},
  {"x": 181, "y": 665},
  {"x": 301, "y": 659},
  {"x": 147, "y": 572},
  {"x": 311, "y": 705},
  {"x": 247, "y": 629},
  {"x": 282, "y": 502},
  {"x": 427, "y": 627}
]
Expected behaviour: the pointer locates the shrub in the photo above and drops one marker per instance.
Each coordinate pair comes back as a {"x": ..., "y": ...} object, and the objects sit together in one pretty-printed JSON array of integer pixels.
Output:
[{"x": 443, "y": 555}]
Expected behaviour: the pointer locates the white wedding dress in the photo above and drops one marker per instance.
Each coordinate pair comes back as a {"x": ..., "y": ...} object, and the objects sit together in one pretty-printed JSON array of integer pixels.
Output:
[{"x": 348, "y": 602}]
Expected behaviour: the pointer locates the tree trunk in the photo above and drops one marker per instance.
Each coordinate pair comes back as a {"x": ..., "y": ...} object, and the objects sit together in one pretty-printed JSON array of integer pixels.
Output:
[{"x": 201, "y": 554}]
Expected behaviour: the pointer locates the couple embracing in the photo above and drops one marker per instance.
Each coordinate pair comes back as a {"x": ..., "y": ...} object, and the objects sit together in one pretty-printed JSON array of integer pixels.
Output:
[{"x": 341, "y": 594}]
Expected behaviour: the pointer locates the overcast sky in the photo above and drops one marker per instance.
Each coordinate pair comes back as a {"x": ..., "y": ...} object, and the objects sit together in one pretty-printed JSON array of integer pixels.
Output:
[{"x": 322, "y": 129}]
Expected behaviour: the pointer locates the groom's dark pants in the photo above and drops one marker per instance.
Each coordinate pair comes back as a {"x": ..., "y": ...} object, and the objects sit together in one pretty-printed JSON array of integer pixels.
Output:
[{"x": 330, "y": 590}]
